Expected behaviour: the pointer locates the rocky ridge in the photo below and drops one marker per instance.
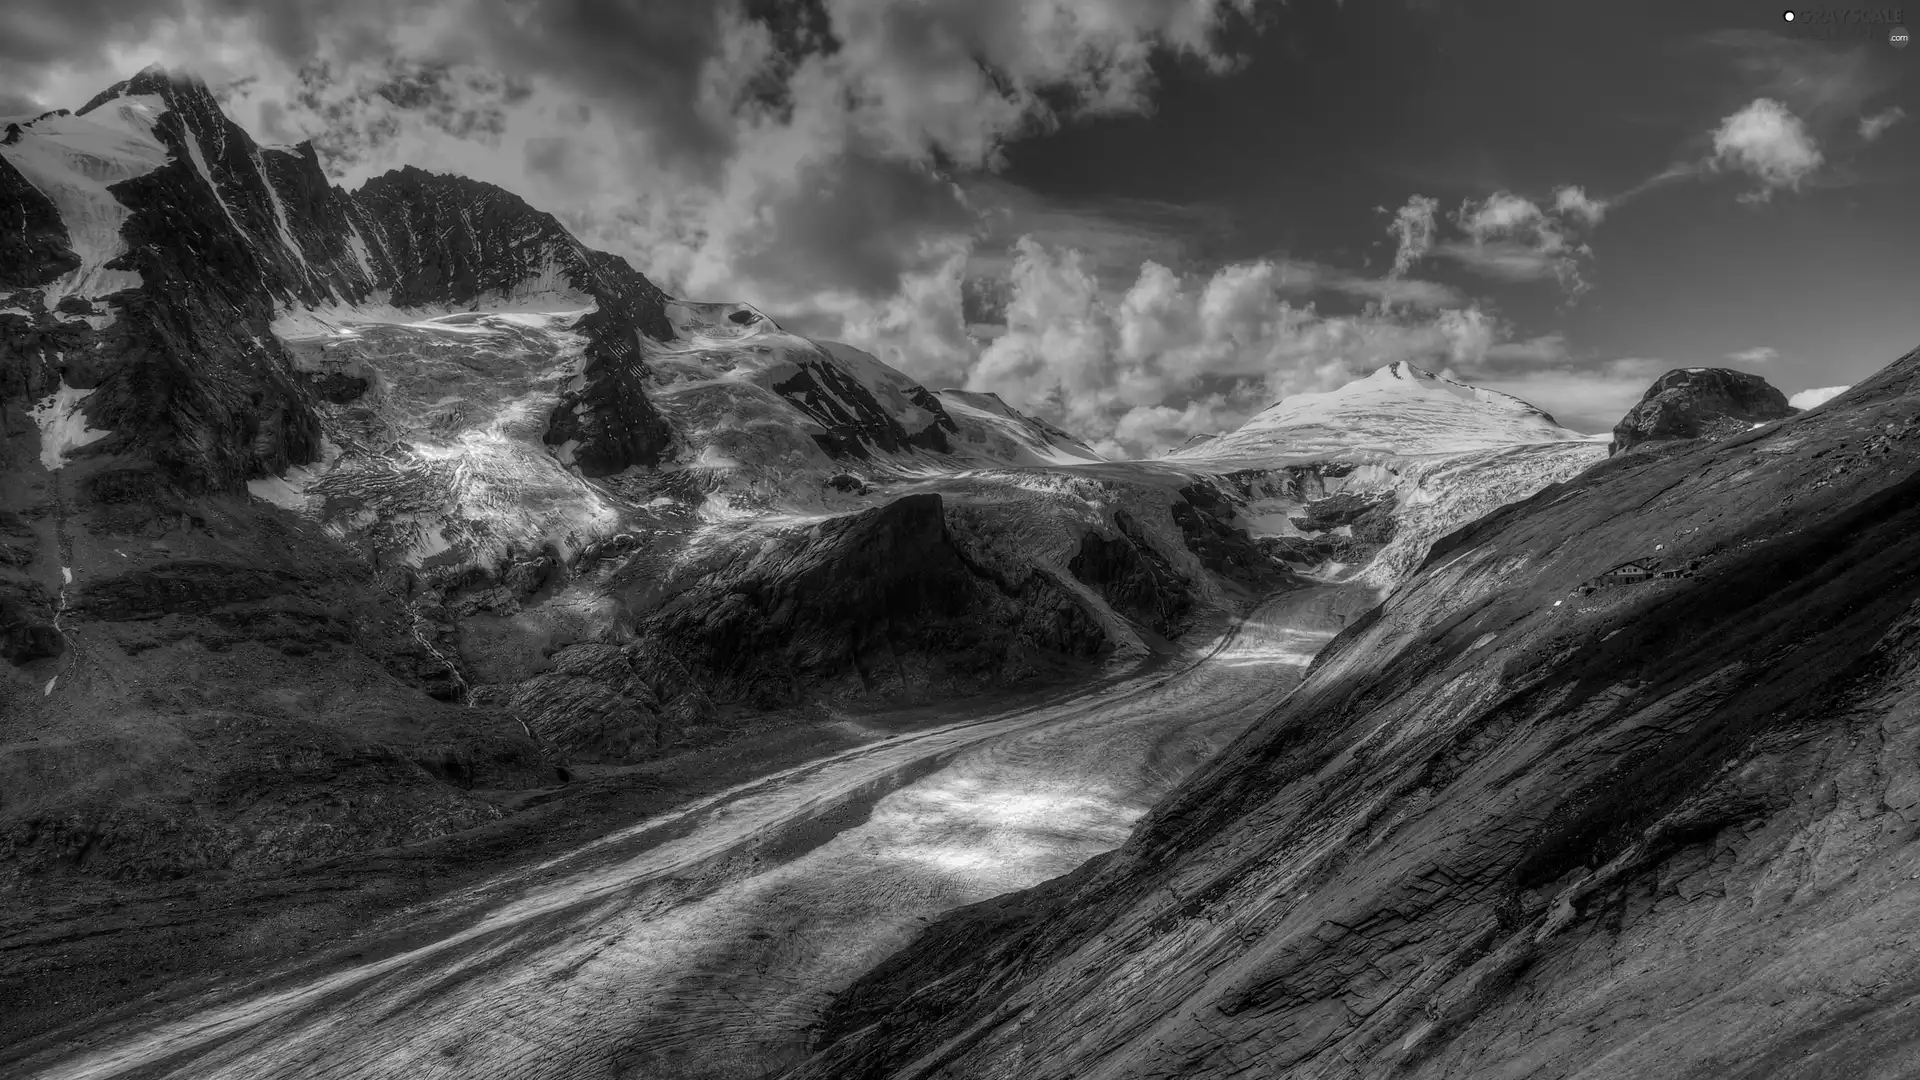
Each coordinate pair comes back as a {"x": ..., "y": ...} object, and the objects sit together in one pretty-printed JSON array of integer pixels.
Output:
[{"x": 1505, "y": 829}]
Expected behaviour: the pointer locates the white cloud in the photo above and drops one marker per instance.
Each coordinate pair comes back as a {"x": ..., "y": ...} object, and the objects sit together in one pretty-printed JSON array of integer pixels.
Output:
[
  {"x": 1412, "y": 229},
  {"x": 1511, "y": 238},
  {"x": 1140, "y": 369},
  {"x": 1807, "y": 399},
  {"x": 1574, "y": 201},
  {"x": 1872, "y": 127},
  {"x": 1759, "y": 354},
  {"x": 1768, "y": 142}
]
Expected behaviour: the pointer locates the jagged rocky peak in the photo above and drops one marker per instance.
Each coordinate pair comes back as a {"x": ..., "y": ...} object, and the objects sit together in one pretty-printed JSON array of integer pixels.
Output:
[{"x": 1694, "y": 403}]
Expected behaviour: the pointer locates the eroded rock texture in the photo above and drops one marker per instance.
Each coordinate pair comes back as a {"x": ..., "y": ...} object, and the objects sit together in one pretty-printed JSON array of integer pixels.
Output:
[
  {"x": 1696, "y": 403},
  {"x": 882, "y": 598},
  {"x": 1507, "y": 831}
]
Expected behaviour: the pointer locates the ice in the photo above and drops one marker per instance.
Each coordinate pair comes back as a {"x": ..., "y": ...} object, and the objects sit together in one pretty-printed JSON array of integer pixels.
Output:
[
  {"x": 993, "y": 430},
  {"x": 63, "y": 425},
  {"x": 1398, "y": 410},
  {"x": 73, "y": 160}
]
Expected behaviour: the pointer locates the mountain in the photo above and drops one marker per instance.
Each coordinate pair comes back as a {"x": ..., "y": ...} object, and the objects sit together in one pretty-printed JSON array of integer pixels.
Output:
[
  {"x": 1693, "y": 403},
  {"x": 1358, "y": 481},
  {"x": 1519, "y": 821},
  {"x": 435, "y": 502},
  {"x": 1400, "y": 410},
  {"x": 344, "y": 522}
]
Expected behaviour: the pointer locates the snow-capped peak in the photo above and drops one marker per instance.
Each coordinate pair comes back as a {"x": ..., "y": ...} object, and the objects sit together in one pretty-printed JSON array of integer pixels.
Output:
[{"x": 1398, "y": 409}]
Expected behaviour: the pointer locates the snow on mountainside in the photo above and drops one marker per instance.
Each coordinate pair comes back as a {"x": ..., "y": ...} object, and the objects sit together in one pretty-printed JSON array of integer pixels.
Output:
[
  {"x": 72, "y": 161},
  {"x": 431, "y": 499},
  {"x": 1362, "y": 479},
  {"x": 1399, "y": 410},
  {"x": 446, "y": 374},
  {"x": 992, "y": 429}
]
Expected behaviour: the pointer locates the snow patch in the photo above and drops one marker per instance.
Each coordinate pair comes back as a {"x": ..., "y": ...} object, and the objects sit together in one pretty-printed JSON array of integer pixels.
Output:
[
  {"x": 206, "y": 173},
  {"x": 63, "y": 425},
  {"x": 280, "y": 217},
  {"x": 73, "y": 160},
  {"x": 1005, "y": 435}
]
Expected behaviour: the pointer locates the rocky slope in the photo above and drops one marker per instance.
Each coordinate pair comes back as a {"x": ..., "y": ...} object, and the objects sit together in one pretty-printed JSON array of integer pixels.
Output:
[
  {"x": 1696, "y": 403},
  {"x": 333, "y": 516},
  {"x": 1358, "y": 481},
  {"x": 340, "y": 520},
  {"x": 1508, "y": 829}
]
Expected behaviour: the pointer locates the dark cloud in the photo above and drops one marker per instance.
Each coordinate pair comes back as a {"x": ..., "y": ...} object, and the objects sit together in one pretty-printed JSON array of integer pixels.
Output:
[
  {"x": 859, "y": 225},
  {"x": 644, "y": 55}
]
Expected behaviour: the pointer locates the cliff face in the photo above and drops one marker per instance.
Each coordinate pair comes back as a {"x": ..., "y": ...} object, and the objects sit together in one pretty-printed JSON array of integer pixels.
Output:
[
  {"x": 1694, "y": 403},
  {"x": 1505, "y": 830}
]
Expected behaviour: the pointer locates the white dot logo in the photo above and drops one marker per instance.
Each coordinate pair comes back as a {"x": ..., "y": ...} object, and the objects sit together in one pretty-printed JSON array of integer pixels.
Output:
[
  {"x": 1897, "y": 37},
  {"x": 1789, "y": 16}
]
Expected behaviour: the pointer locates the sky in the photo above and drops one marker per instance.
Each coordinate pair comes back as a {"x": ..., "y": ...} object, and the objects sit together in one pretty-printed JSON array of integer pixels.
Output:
[{"x": 1141, "y": 219}]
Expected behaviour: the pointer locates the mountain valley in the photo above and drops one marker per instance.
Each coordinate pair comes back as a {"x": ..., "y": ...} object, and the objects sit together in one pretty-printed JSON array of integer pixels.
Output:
[{"x": 434, "y": 650}]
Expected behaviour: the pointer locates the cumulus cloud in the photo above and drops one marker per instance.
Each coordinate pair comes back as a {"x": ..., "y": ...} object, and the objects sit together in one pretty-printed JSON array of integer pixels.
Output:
[
  {"x": 1139, "y": 369},
  {"x": 1512, "y": 238},
  {"x": 1574, "y": 202},
  {"x": 1768, "y": 142},
  {"x": 1759, "y": 354},
  {"x": 1876, "y": 125},
  {"x": 1807, "y": 399}
]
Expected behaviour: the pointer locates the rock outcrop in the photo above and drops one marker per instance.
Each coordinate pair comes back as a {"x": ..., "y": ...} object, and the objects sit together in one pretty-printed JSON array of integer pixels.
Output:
[
  {"x": 1699, "y": 403},
  {"x": 1134, "y": 577},
  {"x": 881, "y": 599},
  {"x": 1506, "y": 830}
]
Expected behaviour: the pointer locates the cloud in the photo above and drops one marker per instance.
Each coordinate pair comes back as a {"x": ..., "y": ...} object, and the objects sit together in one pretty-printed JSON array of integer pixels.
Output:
[
  {"x": 1511, "y": 238},
  {"x": 1759, "y": 354},
  {"x": 1587, "y": 397},
  {"x": 803, "y": 156},
  {"x": 1769, "y": 143},
  {"x": 1807, "y": 399},
  {"x": 1574, "y": 201},
  {"x": 1872, "y": 127},
  {"x": 1397, "y": 291},
  {"x": 1825, "y": 82},
  {"x": 1546, "y": 349},
  {"x": 1141, "y": 368},
  {"x": 1412, "y": 229}
]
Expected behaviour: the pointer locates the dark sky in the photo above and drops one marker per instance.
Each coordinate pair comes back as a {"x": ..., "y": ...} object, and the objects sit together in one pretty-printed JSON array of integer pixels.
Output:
[{"x": 1345, "y": 108}]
